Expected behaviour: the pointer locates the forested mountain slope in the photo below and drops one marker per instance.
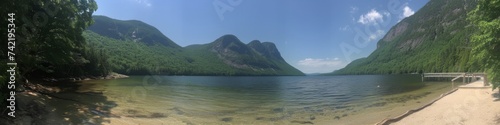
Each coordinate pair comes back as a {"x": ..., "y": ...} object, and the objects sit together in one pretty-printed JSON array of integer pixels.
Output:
[
  {"x": 434, "y": 39},
  {"x": 233, "y": 57},
  {"x": 134, "y": 47},
  {"x": 130, "y": 30}
]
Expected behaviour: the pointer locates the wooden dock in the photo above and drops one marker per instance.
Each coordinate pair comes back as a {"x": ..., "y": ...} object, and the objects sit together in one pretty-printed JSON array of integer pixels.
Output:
[{"x": 467, "y": 77}]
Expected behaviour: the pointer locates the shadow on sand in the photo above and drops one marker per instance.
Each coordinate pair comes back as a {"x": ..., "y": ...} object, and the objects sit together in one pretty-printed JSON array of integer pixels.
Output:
[{"x": 64, "y": 106}]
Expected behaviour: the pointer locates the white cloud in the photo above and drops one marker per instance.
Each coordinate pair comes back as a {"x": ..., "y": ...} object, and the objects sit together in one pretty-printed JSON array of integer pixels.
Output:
[
  {"x": 371, "y": 17},
  {"x": 143, "y": 2},
  {"x": 310, "y": 65},
  {"x": 345, "y": 28},
  {"x": 376, "y": 35},
  {"x": 353, "y": 10},
  {"x": 407, "y": 11},
  {"x": 387, "y": 14}
]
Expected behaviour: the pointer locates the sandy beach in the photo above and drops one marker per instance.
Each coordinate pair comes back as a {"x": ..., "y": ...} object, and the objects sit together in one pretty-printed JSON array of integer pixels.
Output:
[{"x": 469, "y": 105}]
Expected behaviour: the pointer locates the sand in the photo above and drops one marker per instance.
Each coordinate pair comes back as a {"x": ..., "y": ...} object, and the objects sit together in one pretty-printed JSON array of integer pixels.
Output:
[{"x": 469, "y": 105}]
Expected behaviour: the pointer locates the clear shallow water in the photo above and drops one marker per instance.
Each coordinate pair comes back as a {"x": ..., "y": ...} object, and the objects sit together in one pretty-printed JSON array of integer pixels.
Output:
[{"x": 267, "y": 100}]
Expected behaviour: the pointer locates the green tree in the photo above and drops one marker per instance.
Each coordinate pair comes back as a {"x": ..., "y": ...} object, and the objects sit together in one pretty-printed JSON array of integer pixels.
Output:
[
  {"x": 486, "y": 51},
  {"x": 49, "y": 34}
]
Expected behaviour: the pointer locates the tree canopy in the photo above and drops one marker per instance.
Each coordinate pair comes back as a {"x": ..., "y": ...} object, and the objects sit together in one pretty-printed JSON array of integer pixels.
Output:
[
  {"x": 49, "y": 41},
  {"x": 486, "y": 40},
  {"x": 49, "y": 36}
]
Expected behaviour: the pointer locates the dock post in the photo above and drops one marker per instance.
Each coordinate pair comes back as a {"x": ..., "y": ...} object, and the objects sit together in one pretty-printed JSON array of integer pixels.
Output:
[
  {"x": 463, "y": 78},
  {"x": 485, "y": 80},
  {"x": 422, "y": 77}
]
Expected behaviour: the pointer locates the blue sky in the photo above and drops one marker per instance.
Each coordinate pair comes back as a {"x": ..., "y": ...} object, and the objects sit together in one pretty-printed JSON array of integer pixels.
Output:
[{"x": 315, "y": 36}]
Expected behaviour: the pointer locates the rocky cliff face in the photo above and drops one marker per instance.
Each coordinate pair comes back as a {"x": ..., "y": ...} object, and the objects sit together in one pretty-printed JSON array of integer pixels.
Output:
[
  {"x": 230, "y": 46},
  {"x": 267, "y": 49},
  {"x": 255, "y": 55},
  {"x": 434, "y": 39}
]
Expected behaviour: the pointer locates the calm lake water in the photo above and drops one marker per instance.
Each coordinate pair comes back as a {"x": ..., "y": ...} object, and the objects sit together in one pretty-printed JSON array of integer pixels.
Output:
[{"x": 361, "y": 99}]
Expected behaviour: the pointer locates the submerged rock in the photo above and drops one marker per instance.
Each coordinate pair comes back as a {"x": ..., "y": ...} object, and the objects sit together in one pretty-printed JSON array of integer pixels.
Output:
[
  {"x": 157, "y": 115},
  {"x": 278, "y": 110},
  {"x": 312, "y": 117},
  {"x": 319, "y": 110},
  {"x": 177, "y": 111},
  {"x": 227, "y": 119},
  {"x": 307, "y": 108},
  {"x": 337, "y": 117},
  {"x": 302, "y": 122},
  {"x": 378, "y": 104},
  {"x": 132, "y": 111},
  {"x": 273, "y": 118},
  {"x": 259, "y": 118}
]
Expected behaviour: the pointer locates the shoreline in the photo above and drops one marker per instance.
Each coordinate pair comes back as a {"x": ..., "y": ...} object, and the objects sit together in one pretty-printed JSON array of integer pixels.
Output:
[
  {"x": 409, "y": 112},
  {"x": 112, "y": 75},
  {"x": 464, "y": 105},
  {"x": 50, "y": 101}
]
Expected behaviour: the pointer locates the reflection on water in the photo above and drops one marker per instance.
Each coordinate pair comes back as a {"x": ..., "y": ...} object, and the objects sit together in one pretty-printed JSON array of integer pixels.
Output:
[{"x": 266, "y": 100}]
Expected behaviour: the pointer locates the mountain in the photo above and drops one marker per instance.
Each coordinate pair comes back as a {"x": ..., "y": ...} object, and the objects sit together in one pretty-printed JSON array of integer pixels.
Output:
[
  {"x": 434, "y": 39},
  {"x": 266, "y": 49},
  {"x": 137, "y": 48},
  {"x": 236, "y": 58},
  {"x": 130, "y": 30}
]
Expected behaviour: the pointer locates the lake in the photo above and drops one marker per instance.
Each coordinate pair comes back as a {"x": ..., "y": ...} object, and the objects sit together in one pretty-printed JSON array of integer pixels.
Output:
[{"x": 358, "y": 99}]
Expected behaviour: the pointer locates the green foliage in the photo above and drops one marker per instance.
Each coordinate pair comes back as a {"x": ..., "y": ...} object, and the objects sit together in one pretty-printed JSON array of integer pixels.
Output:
[
  {"x": 137, "y": 48},
  {"x": 435, "y": 39},
  {"x": 98, "y": 63},
  {"x": 130, "y": 30},
  {"x": 48, "y": 40},
  {"x": 48, "y": 36},
  {"x": 236, "y": 58},
  {"x": 135, "y": 57},
  {"x": 486, "y": 40}
]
